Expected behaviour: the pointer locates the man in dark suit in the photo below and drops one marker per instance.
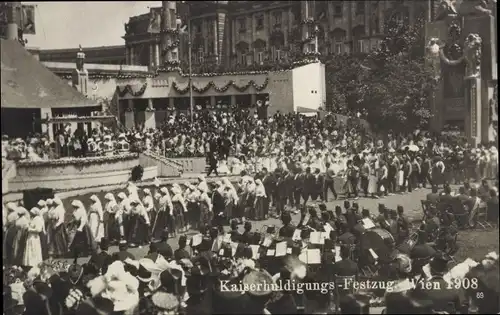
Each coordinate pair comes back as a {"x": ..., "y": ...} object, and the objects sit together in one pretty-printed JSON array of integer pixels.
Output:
[
  {"x": 460, "y": 207},
  {"x": 181, "y": 252},
  {"x": 163, "y": 248},
  {"x": 122, "y": 254},
  {"x": 346, "y": 267},
  {"x": 103, "y": 258},
  {"x": 298, "y": 185},
  {"x": 328, "y": 182},
  {"x": 446, "y": 199},
  {"x": 288, "y": 228},
  {"x": 433, "y": 196}
]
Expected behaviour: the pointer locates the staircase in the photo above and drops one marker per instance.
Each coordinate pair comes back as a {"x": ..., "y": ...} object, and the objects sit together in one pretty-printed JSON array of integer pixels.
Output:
[{"x": 166, "y": 167}]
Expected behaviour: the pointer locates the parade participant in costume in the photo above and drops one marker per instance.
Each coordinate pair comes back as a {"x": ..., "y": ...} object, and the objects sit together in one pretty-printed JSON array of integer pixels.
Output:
[
  {"x": 404, "y": 225},
  {"x": 329, "y": 183},
  {"x": 139, "y": 224},
  {"x": 33, "y": 255},
  {"x": 260, "y": 201},
  {"x": 231, "y": 198},
  {"x": 149, "y": 205},
  {"x": 192, "y": 195},
  {"x": 206, "y": 207},
  {"x": 352, "y": 180},
  {"x": 83, "y": 242},
  {"x": 111, "y": 220},
  {"x": 179, "y": 209},
  {"x": 288, "y": 228},
  {"x": 58, "y": 235},
  {"x": 44, "y": 211},
  {"x": 22, "y": 226},
  {"x": 123, "y": 214},
  {"x": 473, "y": 205},
  {"x": 218, "y": 205},
  {"x": 163, "y": 215},
  {"x": 438, "y": 171},
  {"x": 96, "y": 219},
  {"x": 202, "y": 184},
  {"x": 10, "y": 236}
]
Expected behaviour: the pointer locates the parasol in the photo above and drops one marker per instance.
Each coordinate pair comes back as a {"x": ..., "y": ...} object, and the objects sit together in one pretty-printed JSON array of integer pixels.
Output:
[{"x": 411, "y": 147}]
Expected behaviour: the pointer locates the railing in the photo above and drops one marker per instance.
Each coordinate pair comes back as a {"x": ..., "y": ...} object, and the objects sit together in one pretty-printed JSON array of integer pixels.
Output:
[{"x": 166, "y": 167}]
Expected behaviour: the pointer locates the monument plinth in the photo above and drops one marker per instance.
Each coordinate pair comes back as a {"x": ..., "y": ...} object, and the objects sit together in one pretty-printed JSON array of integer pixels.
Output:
[{"x": 462, "y": 49}]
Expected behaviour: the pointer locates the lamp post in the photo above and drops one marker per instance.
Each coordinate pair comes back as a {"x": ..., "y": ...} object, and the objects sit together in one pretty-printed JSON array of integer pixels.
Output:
[{"x": 190, "y": 74}]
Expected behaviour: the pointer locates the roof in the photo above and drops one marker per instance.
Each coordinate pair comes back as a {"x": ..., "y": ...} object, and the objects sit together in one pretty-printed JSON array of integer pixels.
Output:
[{"x": 26, "y": 83}]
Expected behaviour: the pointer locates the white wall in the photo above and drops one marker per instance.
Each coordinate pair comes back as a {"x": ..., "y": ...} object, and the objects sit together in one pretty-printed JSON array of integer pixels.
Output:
[
  {"x": 280, "y": 92},
  {"x": 309, "y": 86}
]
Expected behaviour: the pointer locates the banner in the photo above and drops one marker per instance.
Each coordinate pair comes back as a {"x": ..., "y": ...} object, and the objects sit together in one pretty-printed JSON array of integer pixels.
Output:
[{"x": 28, "y": 19}]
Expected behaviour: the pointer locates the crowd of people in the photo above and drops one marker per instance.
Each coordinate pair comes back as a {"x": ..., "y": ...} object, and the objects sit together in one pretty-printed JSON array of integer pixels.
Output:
[{"x": 325, "y": 247}]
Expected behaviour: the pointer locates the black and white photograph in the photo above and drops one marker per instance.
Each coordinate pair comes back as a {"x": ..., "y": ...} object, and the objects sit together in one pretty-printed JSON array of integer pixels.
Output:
[{"x": 249, "y": 157}]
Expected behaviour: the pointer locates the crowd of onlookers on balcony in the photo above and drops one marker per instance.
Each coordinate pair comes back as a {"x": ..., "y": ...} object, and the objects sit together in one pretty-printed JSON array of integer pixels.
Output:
[{"x": 221, "y": 133}]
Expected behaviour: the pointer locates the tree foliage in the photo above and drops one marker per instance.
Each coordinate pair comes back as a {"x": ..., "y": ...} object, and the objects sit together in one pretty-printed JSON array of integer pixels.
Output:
[{"x": 393, "y": 83}]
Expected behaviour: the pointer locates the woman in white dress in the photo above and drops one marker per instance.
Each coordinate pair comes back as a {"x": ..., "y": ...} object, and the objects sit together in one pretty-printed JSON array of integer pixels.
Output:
[
  {"x": 372, "y": 178},
  {"x": 111, "y": 225},
  {"x": 96, "y": 219},
  {"x": 33, "y": 251}
]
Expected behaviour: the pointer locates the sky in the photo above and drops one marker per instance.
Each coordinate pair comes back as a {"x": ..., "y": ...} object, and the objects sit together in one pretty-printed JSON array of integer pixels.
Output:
[{"x": 87, "y": 23}]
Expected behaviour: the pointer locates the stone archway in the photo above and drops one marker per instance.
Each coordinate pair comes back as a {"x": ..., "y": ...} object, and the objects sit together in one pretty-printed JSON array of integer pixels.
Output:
[
  {"x": 242, "y": 47},
  {"x": 277, "y": 39},
  {"x": 259, "y": 44}
]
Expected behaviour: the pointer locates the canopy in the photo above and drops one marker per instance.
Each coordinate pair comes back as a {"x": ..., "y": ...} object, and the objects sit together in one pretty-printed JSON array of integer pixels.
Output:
[{"x": 26, "y": 83}]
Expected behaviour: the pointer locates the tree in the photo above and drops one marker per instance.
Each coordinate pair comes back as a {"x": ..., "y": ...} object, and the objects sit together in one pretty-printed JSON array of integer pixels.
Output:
[{"x": 398, "y": 89}]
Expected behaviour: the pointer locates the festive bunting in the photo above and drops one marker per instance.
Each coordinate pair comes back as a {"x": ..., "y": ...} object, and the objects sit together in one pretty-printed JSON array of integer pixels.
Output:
[
  {"x": 81, "y": 161},
  {"x": 128, "y": 89},
  {"x": 221, "y": 89}
]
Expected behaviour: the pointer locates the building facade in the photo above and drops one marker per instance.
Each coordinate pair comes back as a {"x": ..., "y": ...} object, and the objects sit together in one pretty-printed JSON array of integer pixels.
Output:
[{"x": 248, "y": 34}]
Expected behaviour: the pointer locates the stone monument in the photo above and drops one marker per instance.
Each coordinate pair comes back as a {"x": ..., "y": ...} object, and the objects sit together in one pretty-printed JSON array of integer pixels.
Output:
[{"x": 461, "y": 46}]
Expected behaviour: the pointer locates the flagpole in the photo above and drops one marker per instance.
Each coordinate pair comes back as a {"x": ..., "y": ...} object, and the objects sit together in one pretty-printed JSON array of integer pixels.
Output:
[{"x": 189, "y": 63}]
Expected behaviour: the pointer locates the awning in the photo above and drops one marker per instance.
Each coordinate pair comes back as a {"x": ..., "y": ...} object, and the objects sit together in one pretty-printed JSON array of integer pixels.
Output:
[{"x": 26, "y": 83}]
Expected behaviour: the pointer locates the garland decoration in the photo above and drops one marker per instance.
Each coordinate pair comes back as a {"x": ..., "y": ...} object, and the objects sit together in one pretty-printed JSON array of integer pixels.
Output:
[
  {"x": 80, "y": 161},
  {"x": 109, "y": 76},
  {"x": 223, "y": 88},
  {"x": 128, "y": 89},
  {"x": 171, "y": 47}
]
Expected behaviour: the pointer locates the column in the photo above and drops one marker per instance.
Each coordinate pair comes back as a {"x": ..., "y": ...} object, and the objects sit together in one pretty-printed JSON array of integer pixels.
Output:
[
  {"x": 149, "y": 116},
  {"x": 233, "y": 100},
  {"x": 157, "y": 54},
  {"x": 129, "y": 115},
  {"x": 253, "y": 99},
  {"x": 46, "y": 113},
  {"x": 151, "y": 56},
  {"x": 473, "y": 102},
  {"x": 212, "y": 101},
  {"x": 216, "y": 40},
  {"x": 132, "y": 57},
  {"x": 127, "y": 55}
]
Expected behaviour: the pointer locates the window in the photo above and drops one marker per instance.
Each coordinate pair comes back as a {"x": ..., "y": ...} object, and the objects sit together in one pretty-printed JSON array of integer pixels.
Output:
[
  {"x": 260, "y": 57},
  {"x": 311, "y": 47},
  {"x": 360, "y": 8},
  {"x": 249, "y": 59},
  {"x": 242, "y": 25},
  {"x": 173, "y": 18},
  {"x": 360, "y": 45},
  {"x": 338, "y": 48},
  {"x": 242, "y": 59},
  {"x": 259, "y": 22},
  {"x": 277, "y": 16},
  {"x": 337, "y": 10},
  {"x": 276, "y": 54},
  {"x": 210, "y": 48},
  {"x": 199, "y": 56}
]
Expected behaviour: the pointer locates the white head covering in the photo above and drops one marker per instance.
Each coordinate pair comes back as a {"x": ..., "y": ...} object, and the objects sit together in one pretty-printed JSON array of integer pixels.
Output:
[
  {"x": 109, "y": 197},
  {"x": 122, "y": 196},
  {"x": 35, "y": 211},
  {"x": 41, "y": 203},
  {"x": 77, "y": 203},
  {"x": 147, "y": 192}
]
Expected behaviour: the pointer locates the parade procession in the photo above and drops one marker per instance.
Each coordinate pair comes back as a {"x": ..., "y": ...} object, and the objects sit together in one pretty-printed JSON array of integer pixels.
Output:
[{"x": 238, "y": 157}]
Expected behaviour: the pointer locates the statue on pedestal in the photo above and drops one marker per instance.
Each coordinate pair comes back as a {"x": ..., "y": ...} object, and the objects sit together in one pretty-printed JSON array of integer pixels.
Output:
[{"x": 471, "y": 55}]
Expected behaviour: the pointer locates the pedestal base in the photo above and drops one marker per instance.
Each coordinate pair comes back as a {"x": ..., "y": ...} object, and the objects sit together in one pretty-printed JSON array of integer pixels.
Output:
[
  {"x": 149, "y": 120},
  {"x": 129, "y": 120}
]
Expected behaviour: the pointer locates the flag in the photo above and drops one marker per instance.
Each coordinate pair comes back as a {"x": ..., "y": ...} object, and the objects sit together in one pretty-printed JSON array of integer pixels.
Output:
[
  {"x": 154, "y": 22},
  {"x": 28, "y": 19}
]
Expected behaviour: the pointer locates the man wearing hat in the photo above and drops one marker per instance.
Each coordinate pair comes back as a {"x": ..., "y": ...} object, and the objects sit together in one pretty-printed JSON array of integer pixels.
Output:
[
  {"x": 103, "y": 258},
  {"x": 445, "y": 298},
  {"x": 162, "y": 247},
  {"x": 181, "y": 252},
  {"x": 123, "y": 252}
]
